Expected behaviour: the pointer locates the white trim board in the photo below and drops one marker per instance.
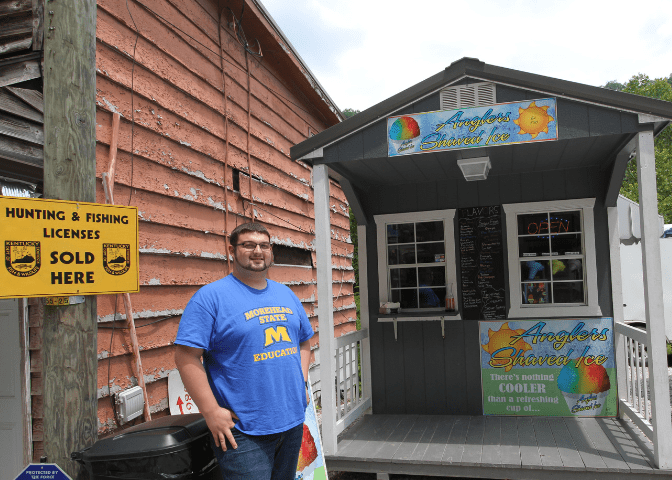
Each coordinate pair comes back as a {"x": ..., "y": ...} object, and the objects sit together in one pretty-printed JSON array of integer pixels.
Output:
[
  {"x": 516, "y": 310},
  {"x": 446, "y": 216}
]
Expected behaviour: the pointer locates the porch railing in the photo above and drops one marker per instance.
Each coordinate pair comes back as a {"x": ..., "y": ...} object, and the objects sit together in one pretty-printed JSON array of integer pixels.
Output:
[
  {"x": 351, "y": 398},
  {"x": 634, "y": 402}
]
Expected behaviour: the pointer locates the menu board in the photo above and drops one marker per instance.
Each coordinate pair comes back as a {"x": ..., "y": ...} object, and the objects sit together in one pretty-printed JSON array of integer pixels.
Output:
[{"x": 482, "y": 263}]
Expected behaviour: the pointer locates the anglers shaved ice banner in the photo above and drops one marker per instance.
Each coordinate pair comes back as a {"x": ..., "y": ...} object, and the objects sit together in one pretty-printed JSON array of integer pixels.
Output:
[
  {"x": 555, "y": 368},
  {"x": 311, "y": 458},
  {"x": 501, "y": 124}
]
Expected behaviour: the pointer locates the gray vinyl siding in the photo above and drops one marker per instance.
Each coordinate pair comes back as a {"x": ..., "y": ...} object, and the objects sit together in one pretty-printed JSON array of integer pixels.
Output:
[{"x": 421, "y": 372}]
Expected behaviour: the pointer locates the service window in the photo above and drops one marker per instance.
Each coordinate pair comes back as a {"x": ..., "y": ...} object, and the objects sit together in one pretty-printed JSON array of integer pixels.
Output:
[
  {"x": 552, "y": 258},
  {"x": 416, "y": 259}
]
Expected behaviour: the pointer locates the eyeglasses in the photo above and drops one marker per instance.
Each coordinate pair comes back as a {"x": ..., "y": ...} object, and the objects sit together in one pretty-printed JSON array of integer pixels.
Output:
[{"x": 251, "y": 246}]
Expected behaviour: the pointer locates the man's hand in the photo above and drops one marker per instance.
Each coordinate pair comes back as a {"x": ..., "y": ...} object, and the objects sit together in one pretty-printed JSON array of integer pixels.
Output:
[{"x": 220, "y": 422}]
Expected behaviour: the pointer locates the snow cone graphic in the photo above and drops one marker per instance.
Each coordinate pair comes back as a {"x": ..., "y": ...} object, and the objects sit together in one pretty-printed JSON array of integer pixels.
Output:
[
  {"x": 308, "y": 452},
  {"x": 585, "y": 387},
  {"x": 404, "y": 134}
]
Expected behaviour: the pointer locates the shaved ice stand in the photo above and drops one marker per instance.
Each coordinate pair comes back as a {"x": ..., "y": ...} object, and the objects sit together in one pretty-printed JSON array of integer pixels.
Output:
[{"x": 492, "y": 341}]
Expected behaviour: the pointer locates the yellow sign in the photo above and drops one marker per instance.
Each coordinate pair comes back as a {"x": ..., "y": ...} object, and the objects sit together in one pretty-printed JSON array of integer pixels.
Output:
[{"x": 57, "y": 248}]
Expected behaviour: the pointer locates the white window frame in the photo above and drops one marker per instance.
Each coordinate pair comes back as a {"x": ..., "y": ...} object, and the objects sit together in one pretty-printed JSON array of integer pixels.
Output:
[
  {"x": 447, "y": 217},
  {"x": 517, "y": 310}
]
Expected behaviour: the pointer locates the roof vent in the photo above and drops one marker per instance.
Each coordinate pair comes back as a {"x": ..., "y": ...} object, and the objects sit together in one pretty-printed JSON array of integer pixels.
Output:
[{"x": 467, "y": 96}]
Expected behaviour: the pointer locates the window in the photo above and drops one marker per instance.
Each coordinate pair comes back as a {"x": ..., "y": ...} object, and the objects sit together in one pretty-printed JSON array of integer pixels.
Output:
[
  {"x": 416, "y": 259},
  {"x": 551, "y": 249}
]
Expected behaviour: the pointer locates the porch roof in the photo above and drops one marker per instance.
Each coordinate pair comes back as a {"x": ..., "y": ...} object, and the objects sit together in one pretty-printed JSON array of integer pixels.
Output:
[{"x": 596, "y": 125}]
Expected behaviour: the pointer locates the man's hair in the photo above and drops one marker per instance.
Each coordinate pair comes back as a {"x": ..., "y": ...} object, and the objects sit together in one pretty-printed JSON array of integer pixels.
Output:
[{"x": 248, "y": 227}]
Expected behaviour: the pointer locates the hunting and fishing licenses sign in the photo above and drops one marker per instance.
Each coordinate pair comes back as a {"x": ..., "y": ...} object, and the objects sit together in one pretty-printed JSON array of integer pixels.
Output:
[
  {"x": 554, "y": 368},
  {"x": 56, "y": 247}
]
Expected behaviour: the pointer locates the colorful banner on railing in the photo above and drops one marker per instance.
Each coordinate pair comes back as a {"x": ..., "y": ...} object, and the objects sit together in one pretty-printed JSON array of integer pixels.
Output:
[
  {"x": 554, "y": 368},
  {"x": 311, "y": 458},
  {"x": 500, "y": 124}
]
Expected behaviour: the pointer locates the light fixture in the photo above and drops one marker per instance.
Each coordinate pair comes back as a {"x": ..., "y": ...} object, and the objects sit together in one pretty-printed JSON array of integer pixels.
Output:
[{"x": 475, "y": 168}]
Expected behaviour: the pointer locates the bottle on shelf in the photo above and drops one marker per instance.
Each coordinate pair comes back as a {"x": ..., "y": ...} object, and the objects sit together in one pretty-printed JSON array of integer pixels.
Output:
[{"x": 450, "y": 298}]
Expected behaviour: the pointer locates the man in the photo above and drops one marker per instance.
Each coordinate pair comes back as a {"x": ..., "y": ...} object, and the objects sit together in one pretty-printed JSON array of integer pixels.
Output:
[{"x": 251, "y": 387}]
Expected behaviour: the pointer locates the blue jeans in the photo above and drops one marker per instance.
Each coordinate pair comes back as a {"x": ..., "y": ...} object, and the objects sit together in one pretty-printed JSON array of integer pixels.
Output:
[{"x": 261, "y": 457}]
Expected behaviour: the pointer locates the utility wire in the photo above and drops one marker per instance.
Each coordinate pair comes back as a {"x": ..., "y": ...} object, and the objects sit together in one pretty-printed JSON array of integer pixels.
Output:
[{"x": 137, "y": 35}]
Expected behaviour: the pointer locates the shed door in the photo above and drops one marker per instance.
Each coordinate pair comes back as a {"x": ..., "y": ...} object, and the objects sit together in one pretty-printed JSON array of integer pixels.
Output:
[{"x": 11, "y": 427}]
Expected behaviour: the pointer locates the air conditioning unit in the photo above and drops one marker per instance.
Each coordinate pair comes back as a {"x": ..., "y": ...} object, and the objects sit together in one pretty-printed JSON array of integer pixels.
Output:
[{"x": 130, "y": 404}]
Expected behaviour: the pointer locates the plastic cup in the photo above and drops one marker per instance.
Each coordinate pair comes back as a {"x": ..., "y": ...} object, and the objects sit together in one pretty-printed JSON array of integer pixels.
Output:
[{"x": 586, "y": 404}]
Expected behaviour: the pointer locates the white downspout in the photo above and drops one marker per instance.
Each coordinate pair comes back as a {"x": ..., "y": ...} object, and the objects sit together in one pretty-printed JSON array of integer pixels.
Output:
[
  {"x": 653, "y": 300},
  {"x": 325, "y": 307}
]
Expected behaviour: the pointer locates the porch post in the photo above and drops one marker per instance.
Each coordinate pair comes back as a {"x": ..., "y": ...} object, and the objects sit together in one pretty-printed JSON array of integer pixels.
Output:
[
  {"x": 617, "y": 296},
  {"x": 653, "y": 300},
  {"x": 364, "y": 310},
  {"x": 325, "y": 306}
]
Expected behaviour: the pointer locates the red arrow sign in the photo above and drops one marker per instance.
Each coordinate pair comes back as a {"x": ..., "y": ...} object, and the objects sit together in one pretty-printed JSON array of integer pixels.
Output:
[{"x": 179, "y": 404}]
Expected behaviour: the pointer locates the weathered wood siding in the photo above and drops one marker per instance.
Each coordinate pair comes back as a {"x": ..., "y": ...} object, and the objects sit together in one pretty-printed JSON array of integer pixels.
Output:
[{"x": 173, "y": 165}]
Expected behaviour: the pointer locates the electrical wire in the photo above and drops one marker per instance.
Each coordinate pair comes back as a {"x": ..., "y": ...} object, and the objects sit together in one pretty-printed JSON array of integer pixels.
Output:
[
  {"x": 137, "y": 35},
  {"x": 109, "y": 361},
  {"x": 240, "y": 33}
]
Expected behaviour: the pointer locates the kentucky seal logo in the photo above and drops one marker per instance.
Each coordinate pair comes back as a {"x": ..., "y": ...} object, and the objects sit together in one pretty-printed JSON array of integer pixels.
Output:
[
  {"x": 116, "y": 258},
  {"x": 22, "y": 259}
]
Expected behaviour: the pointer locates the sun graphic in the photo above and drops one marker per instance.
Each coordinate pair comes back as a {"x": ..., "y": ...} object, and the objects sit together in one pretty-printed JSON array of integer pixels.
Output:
[
  {"x": 502, "y": 338},
  {"x": 533, "y": 120}
]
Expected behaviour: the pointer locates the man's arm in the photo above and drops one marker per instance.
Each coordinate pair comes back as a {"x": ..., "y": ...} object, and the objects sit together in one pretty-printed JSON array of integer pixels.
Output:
[
  {"x": 305, "y": 363},
  {"x": 219, "y": 420}
]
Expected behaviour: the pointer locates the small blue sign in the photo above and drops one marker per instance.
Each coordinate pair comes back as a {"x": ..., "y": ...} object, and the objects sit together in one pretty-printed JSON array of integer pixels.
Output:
[{"x": 42, "y": 471}]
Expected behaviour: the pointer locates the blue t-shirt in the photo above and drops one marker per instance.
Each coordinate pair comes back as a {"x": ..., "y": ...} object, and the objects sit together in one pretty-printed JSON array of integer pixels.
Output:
[{"x": 251, "y": 353}]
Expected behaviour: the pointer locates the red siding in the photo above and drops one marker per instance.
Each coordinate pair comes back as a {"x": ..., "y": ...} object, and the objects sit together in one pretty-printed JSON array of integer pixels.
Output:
[{"x": 178, "y": 178}]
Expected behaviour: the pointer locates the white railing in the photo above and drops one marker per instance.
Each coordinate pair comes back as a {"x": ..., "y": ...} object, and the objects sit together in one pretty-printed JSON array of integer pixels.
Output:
[
  {"x": 634, "y": 402},
  {"x": 351, "y": 399}
]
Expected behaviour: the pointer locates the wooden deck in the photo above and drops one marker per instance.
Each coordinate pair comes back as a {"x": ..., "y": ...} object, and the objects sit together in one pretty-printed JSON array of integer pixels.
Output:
[{"x": 496, "y": 447}]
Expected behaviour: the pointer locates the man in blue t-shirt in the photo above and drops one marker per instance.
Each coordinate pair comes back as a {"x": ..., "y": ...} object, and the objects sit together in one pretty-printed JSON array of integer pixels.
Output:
[{"x": 251, "y": 387}]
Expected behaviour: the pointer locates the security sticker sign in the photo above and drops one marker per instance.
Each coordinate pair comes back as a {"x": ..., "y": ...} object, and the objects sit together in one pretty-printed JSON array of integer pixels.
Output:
[{"x": 61, "y": 248}]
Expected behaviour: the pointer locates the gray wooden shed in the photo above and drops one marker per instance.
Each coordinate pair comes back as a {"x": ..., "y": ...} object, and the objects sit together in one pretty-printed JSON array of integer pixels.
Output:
[{"x": 420, "y": 369}]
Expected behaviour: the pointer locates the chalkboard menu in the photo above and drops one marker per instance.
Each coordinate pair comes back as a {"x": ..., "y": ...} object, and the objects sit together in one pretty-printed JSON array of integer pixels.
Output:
[{"x": 482, "y": 263}]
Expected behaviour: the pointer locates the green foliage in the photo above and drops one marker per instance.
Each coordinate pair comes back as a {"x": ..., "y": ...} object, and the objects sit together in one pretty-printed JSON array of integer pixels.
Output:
[
  {"x": 349, "y": 112},
  {"x": 660, "y": 88},
  {"x": 353, "y": 238},
  {"x": 355, "y": 262},
  {"x": 614, "y": 85}
]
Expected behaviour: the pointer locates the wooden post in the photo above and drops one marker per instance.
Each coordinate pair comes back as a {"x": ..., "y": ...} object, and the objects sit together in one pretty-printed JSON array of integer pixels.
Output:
[
  {"x": 325, "y": 307},
  {"x": 362, "y": 255},
  {"x": 653, "y": 300},
  {"x": 70, "y": 333},
  {"x": 617, "y": 297}
]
